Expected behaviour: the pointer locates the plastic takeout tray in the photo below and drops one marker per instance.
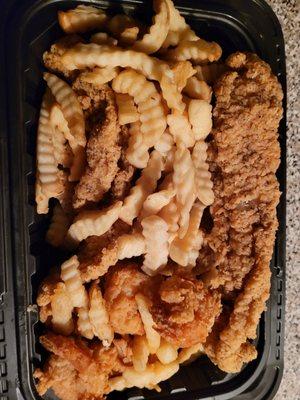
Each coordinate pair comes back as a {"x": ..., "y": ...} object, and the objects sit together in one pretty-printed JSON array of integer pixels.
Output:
[{"x": 27, "y": 28}]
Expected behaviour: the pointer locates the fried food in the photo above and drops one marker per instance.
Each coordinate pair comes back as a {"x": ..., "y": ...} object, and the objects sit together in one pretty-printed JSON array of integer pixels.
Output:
[
  {"x": 200, "y": 116},
  {"x": 180, "y": 128},
  {"x": 244, "y": 156},
  {"x": 70, "y": 107},
  {"x": 197, "y": 89},
  {"x": 127, "y": 111},
  {"x": 123, "y": 179},
  {"x": 185, "y": 251},
  {"x": 103, "y": 38},
  {"x": 149, "y": 105},
  {"x": 152, "y": 41},
  {"x": 98, "y": 253},
  {"x": 121, "y": 285},
  {"x": 82, "y": 19},
  {"x": 170, "y": 217},
  {"x": 47, "y": 183},
  {"x": 62, "y": 150},
  {"x": 153, "y": 337},
  {"x": 99, "y": 317},
  {"x": 52, "y": 58},
  {"x": 124, "y": 28},
  {"x": 103, "y": 153},
  {"x": 166, "y": 353},
  {"x": 59, "y": 226},
  {"x": 184, "y": 311},
  {"x": 183, "y": 70},
  {"x": 203, "y": 182},
  {"x": 75, "y": 366},
  {"x": 145, "y": 185},
  {"x": 155, "y": 232},
  {"x": 140, "y": 353},
  {"x": 184, "y": 184},
  {"x": 179, "y": 30},
  {"x": 71, "y": 277},
  {"x": 94, "y": 223},
  {"x": 98, "y": 76},
  {"x": 84, "y": 326},
  {"x": 198, "y": 51},
  {"x": 62, "y": 308},
  {"x": 105, "y": 56},
  {"x": 45, "y": 293}
]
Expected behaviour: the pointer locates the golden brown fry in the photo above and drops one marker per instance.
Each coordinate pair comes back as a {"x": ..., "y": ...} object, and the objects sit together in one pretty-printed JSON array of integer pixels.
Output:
[
  {"x": 198, "y": 51},
  {"x": 197, "y": 89},
  {"x": 155, "y": 232},
  {"x": 90, "y": 223},
  {"x": 59, "y": 226},
  {"x": 124, "y": 28},
  {"x": 47, "y": 183},
  {"x": 98, "y": 316},
  {"x": 91, "y": 55},
  {"x": 151, "y": 42},
  {"x": 81, "y": 19},
  {"x": 127, "y": 111},
  {"x": 71, "y": 276},
  {"x": 140, "y": 353},
  {"x": 179, "y": 29},
  {"x": 183, "y": 70}
]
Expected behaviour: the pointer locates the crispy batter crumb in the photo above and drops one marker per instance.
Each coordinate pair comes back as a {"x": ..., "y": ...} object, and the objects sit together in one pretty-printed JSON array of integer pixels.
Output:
[
  {"x": 122, "y": 182},
  {"x": 103, "y": 150},
  {"x": 52, "y": 58},
  {"x": 244, "y": 156}
]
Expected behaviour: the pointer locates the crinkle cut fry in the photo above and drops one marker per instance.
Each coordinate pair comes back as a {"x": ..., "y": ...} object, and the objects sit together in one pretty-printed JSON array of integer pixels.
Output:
[
  {"x": 81, "y": 19},
  {"x": 92, "y": 55},
  {"x": 149, "y": 104},
  {"x": 244, "y": 155},
  {"x": 179, "y": 29},
  {"x": 145, "y": 185},
  {"x": 198, "y": 51},
  {"x": 152, "y": 41}
]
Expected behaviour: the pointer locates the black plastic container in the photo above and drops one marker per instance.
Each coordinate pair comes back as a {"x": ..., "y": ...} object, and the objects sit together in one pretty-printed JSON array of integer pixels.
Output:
[{"x": 26, "y": 30}]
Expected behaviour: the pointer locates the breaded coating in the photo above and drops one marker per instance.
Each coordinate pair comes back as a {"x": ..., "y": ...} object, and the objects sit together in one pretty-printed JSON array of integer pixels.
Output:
[
  {"x": 52, "y": 58},
  {"x": 244, "y": 156},
  {"x": 45, "y": 294},
  {"x": 103, "y": 153},
  {"x": 98, "y": 253},
  {"x": 184, "y": 310},
  {"x": 121, "y": 285},
  {"x": 122, "y": 182},
  {"x": 75, "y": 371}
]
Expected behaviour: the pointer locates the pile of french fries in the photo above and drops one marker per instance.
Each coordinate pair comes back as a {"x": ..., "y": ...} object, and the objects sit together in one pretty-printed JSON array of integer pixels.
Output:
[{"x": 159, "y": 77}]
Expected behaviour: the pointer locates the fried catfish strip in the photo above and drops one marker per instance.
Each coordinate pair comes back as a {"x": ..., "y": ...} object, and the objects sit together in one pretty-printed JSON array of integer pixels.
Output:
[
  {"x": 103, "y": 153},
  {"x": 98, "y": 253},
  {"x": 244, "y": 155}
]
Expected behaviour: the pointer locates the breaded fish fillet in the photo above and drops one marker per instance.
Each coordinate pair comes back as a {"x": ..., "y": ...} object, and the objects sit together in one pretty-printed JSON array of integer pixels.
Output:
[
  {"x": 244, "y": 156},
  {"x": 103, "y": 150}
]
